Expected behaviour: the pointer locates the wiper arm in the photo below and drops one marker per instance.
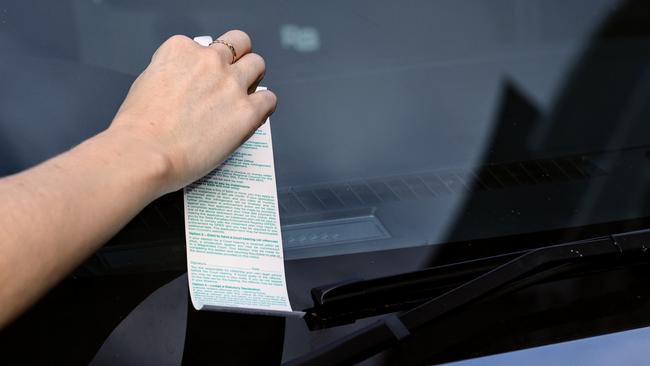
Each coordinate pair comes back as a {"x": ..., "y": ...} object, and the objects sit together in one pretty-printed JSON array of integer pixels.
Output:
[
  {"x": 344, "y": 303},
  {"x": 388, "y": 331}
]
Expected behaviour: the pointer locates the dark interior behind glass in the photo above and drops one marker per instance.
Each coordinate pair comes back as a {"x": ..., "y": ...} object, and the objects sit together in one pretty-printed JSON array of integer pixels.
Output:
[{"x": 407, "y": 134}]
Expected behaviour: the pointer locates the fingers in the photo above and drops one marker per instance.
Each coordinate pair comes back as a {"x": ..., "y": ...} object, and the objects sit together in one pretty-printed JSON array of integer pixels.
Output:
[
  {"x": 249, "y": 70},
  {"x": 264, "y": 103},
  {"x": 240, "y": 41}
]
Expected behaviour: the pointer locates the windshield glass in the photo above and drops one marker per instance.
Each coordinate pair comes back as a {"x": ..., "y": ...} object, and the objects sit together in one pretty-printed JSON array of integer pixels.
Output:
[{"x": 406, "y": 133}]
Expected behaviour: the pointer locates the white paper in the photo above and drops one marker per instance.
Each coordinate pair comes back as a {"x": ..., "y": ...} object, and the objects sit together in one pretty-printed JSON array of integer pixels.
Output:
[
  {"x": 232, "y": 228},
  {"x": 203, "y": 40}
]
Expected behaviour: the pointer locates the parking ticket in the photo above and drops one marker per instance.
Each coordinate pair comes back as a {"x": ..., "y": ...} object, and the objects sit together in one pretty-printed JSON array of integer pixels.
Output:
[{"x": 235, "y": 260}]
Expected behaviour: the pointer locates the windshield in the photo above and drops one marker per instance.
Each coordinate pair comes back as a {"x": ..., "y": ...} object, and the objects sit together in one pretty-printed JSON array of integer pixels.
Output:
[{"x": 406, "y": 135}]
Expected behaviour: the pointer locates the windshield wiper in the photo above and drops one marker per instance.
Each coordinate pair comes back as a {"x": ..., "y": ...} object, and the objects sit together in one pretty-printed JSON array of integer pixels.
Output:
[
  {"x": 535, "y": 264},
  {"x": 346, "y": 302}
]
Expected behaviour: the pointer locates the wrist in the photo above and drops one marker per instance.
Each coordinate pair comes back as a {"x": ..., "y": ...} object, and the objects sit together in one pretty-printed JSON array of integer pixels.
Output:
[{"x": 146, "y": 166}]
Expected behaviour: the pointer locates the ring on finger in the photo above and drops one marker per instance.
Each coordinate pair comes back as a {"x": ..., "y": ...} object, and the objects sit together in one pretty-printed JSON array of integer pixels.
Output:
[{"x": 229, "y": 45}]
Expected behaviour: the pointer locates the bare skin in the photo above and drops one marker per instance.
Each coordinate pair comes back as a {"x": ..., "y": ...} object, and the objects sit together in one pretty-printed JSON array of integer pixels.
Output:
[{"x": 183, "y": 116}]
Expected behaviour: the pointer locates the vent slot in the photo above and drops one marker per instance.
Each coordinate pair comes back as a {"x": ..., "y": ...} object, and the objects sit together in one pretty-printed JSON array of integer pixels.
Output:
[{"x": 437, "y": 184}]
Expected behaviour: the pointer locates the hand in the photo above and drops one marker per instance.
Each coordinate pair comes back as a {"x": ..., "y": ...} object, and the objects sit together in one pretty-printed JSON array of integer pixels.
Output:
[{"x": 193, "y": 107}]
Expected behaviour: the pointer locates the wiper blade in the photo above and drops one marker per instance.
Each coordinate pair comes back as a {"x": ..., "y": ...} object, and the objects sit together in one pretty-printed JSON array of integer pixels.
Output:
[
  {"x": 388, "y": 331},
  {"x": 344, "y": 303}
]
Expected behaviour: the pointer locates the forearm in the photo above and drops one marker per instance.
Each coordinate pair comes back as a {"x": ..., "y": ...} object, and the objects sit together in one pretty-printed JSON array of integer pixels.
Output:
[
  {"x": 182, "y": 117},
  {"x": 59, "y": 212}
]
